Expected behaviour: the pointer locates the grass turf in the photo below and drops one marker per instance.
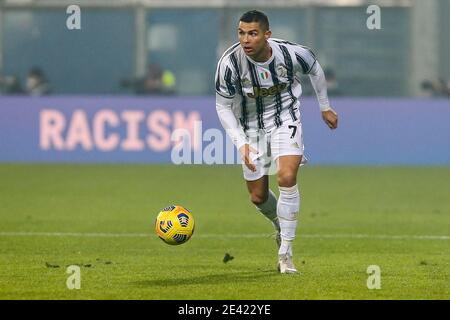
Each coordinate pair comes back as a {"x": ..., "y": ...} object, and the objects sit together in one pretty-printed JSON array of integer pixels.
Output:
[{"x": 351, "y": 217}]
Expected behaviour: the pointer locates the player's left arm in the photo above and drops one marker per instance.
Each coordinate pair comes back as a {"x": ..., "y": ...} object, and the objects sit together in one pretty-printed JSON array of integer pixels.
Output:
[
  {"x": 307, "y": 63},
  {"x": 319, "y": 83}
]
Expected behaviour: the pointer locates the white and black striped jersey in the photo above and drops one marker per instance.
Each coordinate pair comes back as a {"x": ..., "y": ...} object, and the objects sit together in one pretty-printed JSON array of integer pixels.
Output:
[{"x": 264, "y": 94}]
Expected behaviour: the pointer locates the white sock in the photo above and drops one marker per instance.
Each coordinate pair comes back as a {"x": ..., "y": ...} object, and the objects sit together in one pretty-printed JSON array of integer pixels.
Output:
[
  {"x": 269, "y": 209},
  {"x": 287, "y": 211}
]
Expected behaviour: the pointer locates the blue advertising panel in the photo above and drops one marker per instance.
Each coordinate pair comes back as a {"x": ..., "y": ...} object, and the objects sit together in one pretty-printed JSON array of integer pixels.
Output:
[{"x": 146, "y": 130}]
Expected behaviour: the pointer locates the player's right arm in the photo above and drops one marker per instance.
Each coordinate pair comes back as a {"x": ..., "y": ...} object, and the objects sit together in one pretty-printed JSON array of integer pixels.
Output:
[{"x": 225, "y": 96}]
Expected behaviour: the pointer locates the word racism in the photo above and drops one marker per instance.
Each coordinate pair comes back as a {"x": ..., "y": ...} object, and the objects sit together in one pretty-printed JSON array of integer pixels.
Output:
[{"x": 135, "y": 131}]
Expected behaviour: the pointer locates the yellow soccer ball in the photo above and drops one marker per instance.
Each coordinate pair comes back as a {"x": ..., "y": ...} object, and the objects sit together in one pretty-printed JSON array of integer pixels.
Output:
[{"x": 174, "y": 225}]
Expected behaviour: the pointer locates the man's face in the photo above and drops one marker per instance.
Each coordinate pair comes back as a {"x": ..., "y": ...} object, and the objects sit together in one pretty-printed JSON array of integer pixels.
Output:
[{"x": 252, "y": 38}]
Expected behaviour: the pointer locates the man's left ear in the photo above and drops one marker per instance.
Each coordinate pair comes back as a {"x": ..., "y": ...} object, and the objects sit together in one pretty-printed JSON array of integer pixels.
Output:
[{"x": 267, "y": 34}]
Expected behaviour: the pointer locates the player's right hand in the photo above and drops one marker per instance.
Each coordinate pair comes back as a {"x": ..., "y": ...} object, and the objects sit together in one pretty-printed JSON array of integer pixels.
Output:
[{"x": 245, "y": 151}]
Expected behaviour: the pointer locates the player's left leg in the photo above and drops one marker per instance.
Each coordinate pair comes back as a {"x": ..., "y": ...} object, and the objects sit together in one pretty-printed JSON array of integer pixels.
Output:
[
  {"x": 288, "y": 208},
  {"x": 287, "y": 148}
]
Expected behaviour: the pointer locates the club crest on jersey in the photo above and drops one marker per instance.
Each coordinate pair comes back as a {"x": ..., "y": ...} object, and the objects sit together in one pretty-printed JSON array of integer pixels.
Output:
[
  {"x": 282, "y": 71},
  {"x": 264, "y": 92}
]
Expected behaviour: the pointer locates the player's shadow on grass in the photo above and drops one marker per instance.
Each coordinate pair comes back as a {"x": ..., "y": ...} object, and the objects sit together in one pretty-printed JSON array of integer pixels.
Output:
[{"x": 257, "y": 276}]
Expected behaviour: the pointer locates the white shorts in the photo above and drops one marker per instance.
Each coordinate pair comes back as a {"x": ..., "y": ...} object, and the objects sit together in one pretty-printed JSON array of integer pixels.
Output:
[{"x": 282, "y": 141}]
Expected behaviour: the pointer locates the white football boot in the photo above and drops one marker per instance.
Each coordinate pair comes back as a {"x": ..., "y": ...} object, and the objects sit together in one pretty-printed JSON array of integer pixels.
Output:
[{"x": 285, "y": 264}]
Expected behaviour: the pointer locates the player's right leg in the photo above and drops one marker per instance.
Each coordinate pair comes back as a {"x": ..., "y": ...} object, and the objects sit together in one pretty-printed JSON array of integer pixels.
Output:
[
  {"x": 258, "y": 183},
  {"x": 265, "y": 201}
]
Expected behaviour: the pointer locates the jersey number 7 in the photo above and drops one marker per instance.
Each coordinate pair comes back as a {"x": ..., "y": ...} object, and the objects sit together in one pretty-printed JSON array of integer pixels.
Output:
[{"x": 294, "y": 130}]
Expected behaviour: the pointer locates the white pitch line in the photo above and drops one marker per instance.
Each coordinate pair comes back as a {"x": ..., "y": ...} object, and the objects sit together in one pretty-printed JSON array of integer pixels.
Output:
[{"x": 226, "y": 236}]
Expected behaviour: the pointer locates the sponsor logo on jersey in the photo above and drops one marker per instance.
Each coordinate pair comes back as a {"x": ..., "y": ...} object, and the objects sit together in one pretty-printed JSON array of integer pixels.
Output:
[{"x": 264, "y": 92}]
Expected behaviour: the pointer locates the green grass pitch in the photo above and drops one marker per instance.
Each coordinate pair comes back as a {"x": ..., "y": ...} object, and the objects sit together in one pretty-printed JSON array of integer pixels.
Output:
[{"x": 101, "y": 218}]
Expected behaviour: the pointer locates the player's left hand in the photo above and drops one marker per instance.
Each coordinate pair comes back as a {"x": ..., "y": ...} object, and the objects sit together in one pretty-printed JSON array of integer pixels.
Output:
[{"x": 331, "y": 118}]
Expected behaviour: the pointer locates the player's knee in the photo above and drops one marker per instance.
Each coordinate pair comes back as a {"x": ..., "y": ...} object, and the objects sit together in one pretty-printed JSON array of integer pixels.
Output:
[
  {"x": 258, "y": 198},
  {"x": 287, "y": 179}
]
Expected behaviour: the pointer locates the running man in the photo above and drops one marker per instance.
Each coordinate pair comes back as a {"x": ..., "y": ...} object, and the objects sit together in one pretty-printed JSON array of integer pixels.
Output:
[{"x": 257, "y": 101}]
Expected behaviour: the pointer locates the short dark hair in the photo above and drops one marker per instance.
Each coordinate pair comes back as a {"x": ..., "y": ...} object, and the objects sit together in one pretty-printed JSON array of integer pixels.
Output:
[{"x": 256, "y": 16}]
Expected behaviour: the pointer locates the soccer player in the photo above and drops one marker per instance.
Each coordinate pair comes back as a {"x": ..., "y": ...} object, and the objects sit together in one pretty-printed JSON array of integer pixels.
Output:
[{"x": 257, "y": 101}]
